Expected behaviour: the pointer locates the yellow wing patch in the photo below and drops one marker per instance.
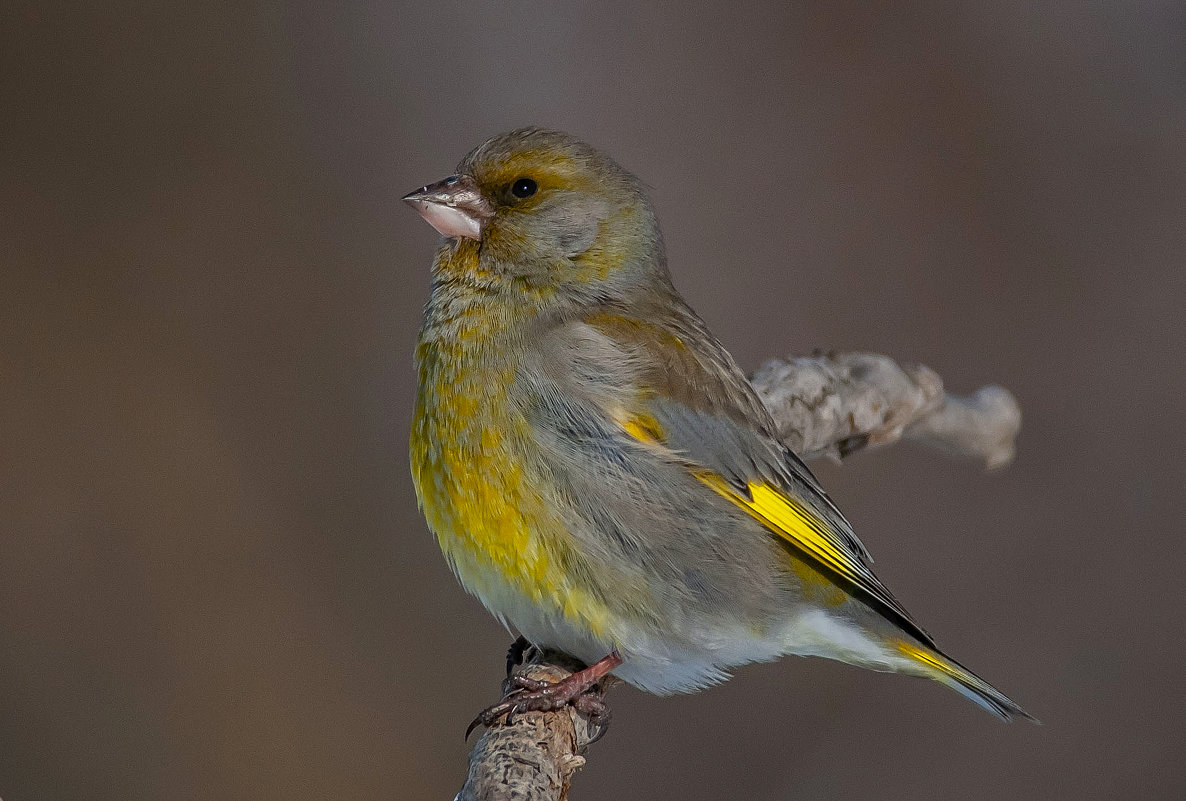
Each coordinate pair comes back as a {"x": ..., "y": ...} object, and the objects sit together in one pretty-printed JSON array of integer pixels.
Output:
[
  {"x": 792, "y": 522},
  {"x": 802, "y": 530},
  {"x": 782, "y": 515},
  {"x": 642, "y": 427},
  {"x": 825, "y": 555}
]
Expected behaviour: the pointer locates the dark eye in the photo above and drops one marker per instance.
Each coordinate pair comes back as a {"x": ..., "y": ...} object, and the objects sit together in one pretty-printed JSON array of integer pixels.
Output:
[{"x": 523, "y": 187}]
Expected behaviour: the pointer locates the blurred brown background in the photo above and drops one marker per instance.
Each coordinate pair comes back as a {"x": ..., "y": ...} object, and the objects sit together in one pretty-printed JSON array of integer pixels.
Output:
[{"x": 214, "y": 582}]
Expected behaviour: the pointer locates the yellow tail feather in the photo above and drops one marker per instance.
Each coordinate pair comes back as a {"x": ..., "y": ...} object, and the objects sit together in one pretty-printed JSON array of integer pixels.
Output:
[{"x": 946, "y": 670}]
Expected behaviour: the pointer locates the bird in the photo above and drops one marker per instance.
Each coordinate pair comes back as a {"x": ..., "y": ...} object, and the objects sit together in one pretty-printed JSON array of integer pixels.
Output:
[{"x": 597, "y": 469}]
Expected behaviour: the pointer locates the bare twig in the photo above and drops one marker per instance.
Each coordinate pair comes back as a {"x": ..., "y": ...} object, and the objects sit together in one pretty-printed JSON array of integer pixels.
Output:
[
  {"x": 824, "y": 405},
  {"x": 833, "y": 404},
  {"x": 532, "y": 756}
]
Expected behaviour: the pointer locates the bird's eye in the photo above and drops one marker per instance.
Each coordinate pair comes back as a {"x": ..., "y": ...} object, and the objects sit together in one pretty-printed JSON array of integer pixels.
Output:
[{"x": 523, "y": 187}]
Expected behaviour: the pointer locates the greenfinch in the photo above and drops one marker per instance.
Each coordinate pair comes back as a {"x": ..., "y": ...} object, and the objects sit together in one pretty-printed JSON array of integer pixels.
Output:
[{"x": 597, "y": 469}]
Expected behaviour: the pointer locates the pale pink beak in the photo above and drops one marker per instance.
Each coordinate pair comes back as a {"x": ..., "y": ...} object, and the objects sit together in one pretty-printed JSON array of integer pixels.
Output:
[{"x": 453, "y": 206}]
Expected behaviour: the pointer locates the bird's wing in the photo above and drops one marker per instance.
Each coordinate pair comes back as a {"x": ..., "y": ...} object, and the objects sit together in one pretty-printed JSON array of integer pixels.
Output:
[{"x": 690, "y": 400}]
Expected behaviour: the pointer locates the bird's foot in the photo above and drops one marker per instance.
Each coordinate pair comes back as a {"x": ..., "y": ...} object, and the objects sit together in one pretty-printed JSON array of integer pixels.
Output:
[{"x": 536, "y": 695}]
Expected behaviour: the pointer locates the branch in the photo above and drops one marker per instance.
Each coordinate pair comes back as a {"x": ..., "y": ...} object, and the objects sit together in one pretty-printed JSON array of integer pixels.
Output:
[
  {"x": 824, "y": 405},
  {"x": 834, "y": 404},
  {"x": 533, "y": 755}
]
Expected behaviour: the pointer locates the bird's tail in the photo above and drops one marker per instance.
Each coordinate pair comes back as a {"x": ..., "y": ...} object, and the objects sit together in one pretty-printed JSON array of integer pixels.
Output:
[{"x": 936, "y": 665}]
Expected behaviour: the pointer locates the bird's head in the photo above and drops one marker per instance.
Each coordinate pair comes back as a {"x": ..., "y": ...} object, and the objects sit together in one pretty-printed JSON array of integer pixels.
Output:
[{"x": 544, "y": 209}]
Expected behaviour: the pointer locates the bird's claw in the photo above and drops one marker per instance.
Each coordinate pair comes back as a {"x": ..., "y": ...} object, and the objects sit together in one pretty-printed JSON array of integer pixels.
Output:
[
  {"x": 537, "y": 695},
  {"x": 524, "y": 694}
]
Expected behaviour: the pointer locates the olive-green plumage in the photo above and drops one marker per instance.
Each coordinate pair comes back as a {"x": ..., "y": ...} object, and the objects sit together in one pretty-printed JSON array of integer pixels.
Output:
[{"x": 597, "y": 469}]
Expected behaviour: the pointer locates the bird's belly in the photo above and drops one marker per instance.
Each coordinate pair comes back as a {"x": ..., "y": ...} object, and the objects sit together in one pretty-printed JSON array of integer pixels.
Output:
[
  {"x": 495, "y": 526},
  {"x": 501, "y": 557}
]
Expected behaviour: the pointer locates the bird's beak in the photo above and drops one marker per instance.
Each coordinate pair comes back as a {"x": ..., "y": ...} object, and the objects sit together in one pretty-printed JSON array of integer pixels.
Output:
[{"x": 453, "y": 206}]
